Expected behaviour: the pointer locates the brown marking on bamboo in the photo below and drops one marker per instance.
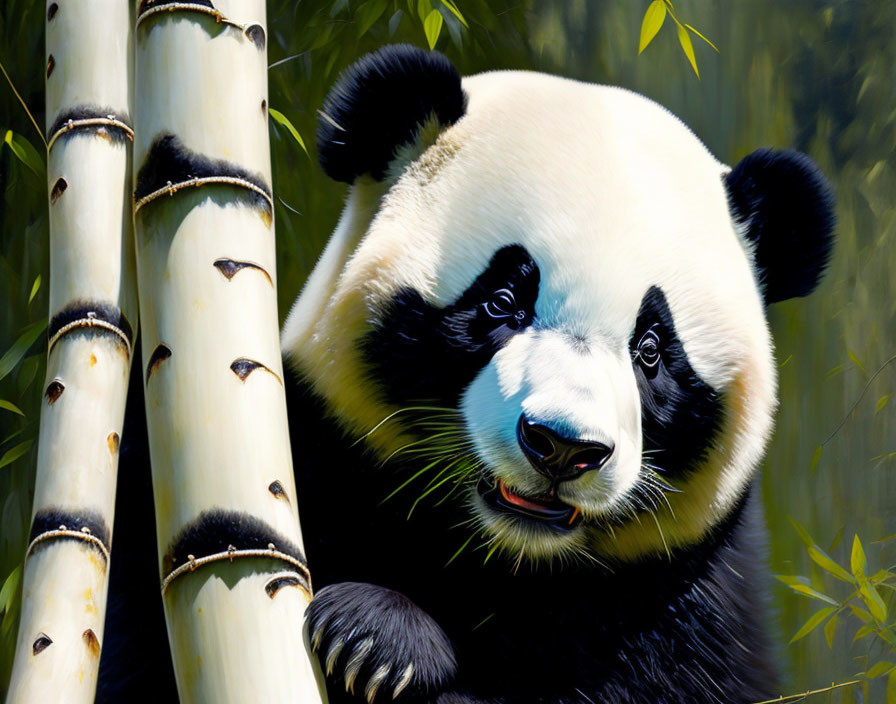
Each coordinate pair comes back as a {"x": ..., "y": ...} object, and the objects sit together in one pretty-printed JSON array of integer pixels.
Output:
[
  {"x": 92, "y": 642},
  {"x": 113, "y": 441},
  {"x": 41, "y": 643},
  {"x": 90, "y": 603},
  {"x": 92, "y": 359},
  {"x": 51, "y": 64},
  {"x": 51, "y": 11},
  {"x": 54, "y": 391},
  {"x": 264, "y": 108},
  {"x": 276, "y": 488},
  {"x": 57, "y": 190},
  {"x": 243, "y": 367},
  {"x": 255, "y": 32},
  {"x": 277, "y": 583},
  {"x": 159, "y": 355},
  {"x": 230, "y": 268},
  {"x": 267, "y": 217}
]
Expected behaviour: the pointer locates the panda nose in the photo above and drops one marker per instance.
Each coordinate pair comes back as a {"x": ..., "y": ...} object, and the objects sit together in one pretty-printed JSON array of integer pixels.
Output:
[{"x": 557, "y": 457}]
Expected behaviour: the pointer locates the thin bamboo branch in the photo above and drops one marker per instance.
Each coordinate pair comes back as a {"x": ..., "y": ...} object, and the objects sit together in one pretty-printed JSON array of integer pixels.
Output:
[
  {"x": 227, "y": 523},
  {"x": 93, "y": 311}
]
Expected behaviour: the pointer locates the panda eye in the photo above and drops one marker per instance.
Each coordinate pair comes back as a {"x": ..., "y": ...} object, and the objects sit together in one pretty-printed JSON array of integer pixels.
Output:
[
  {"x": 502, "y": 304},
  {"x": 649, "y": 349}
]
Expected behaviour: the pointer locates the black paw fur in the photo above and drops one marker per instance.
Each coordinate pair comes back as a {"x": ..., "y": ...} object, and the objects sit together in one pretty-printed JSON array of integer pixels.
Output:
[{"x": 378, "y": 643}]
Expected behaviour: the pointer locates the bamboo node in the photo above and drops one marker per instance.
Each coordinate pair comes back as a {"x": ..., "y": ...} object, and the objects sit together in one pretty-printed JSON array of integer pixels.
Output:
[
  {"x": 171, "y": 188},
  {"x": 192, "y": 559},
  {"x": 89, "y": 321},
  {"x": 107, "y": 121},
  {"x": 231, "y": 553},
  {"x": 64, "y": 531}
]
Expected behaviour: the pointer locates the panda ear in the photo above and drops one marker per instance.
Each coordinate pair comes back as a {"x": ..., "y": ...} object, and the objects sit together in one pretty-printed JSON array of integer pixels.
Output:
[
  {"x": 786, "y": 207},
  {"x": 379, "y": 104}
]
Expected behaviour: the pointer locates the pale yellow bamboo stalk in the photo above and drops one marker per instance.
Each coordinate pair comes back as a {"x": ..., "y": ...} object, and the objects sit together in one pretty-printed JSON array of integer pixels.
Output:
[
  {"x": 234, "y": 579},
  {"x": 93, "y": 315}
]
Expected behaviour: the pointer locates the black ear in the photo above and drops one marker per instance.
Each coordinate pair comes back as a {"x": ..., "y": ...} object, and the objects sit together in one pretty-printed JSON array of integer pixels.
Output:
[
  {"x": 787, "y": 208},
  {"x": 379, "y": 104}
]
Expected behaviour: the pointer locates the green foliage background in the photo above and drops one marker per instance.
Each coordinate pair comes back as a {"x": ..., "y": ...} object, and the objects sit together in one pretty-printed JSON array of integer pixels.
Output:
[{"x": 816, "y": 76}]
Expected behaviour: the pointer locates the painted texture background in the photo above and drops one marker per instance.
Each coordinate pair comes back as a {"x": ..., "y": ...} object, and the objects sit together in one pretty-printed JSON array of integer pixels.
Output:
[{"x": 816, "y": 76}]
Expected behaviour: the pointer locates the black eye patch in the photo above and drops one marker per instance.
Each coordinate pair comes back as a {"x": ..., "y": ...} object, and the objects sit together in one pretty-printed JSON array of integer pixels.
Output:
[
  {"x": 680, "y": 413},
  {"x": 418, "y": 351}
]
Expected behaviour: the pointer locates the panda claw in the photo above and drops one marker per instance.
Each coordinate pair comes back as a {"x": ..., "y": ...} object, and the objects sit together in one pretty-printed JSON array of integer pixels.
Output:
[{"x": 364, "y": 637}]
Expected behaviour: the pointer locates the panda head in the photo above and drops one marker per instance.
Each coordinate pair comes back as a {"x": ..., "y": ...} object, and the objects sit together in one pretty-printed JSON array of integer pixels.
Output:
[{"x": 550, "y": 298}]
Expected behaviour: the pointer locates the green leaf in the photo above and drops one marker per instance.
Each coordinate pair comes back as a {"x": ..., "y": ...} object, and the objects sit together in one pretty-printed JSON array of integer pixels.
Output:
[
  {"x": 688, "y": 48},
  {"x": 280, "y": 118},
  {"x": 881, "y": 576},
  {"x": 424, "y": 7},
  {"x": 830, "y": 629},
  {"x": 432, "y": 26},
  {"x": 9, "y": 406},
  {"x": 816, "y": 459},
  {"x": 878, "y": 669},
  {"x": 454, "y": 11},
  {"x": 823, "y": 560},
  {"x": 14, "y": 453},
  {"x": 860, "y": 613},
  {"x": 368, "y": 13},
  {"x": 814, "y": 622},
  {"x": 10, "y": 585},
  {"x": 863, "y": 632},
  {"x": 869, "y": 595},
  {"x": 791, "y": 579},
  {"x": 857, "y": 560},
  {"x": 891, "y": 688},
  {"x": 813, "y": 593},
  {"x": 394, "y": 21},
  {"x": 881, "y": 403},
  {"x": 802, "y": 532},
  {"x": 857, "y": 362},
  {"x": 35, "y": 287},
  {"x": 27, "y": 154},
  {"x": 703, "y": 38},
  {"x": 650, "y": 25},
  {"x": 14, "y": 354}
]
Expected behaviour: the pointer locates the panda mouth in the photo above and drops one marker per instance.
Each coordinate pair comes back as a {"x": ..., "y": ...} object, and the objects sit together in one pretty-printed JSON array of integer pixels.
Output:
[{"x": 547, "y": 510}]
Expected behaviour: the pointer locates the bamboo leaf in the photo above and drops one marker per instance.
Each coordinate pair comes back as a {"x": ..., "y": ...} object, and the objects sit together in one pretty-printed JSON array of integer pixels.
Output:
[
  {"x": 688, "y": 48},
  {"x": 14, "y": 354},
  {"x": 863, "y": 632},
  {"x": 869, "y": 595},
  {"x": 891, "y": 688},
  {"x": 27, "y": 154},
  {"x": 857, "y": 560},
  {"x": 802, "y": 532},
  {"x": 823, "y": 560},
  {"x": 791, "y": 579},
  {"x": 830, "y": 629},
  {"x": 368, "y": 13},
  {"x": 878, "y": 669},
  {"x": 424, "y": 7},
  {"x": 651, "y": 24},
  {"x": 432, "y": 27},
  {"x": 814, "y": 621},
  {"x": 816, "y": 459},
  {"x": 858, "y": 362},
  {"x": 10, "y": 585},
  {"x": 703, "y": 38},
  {"x": 881, "y": 403},
  {"x": 280, "y": 118},
  {"x": 15, "y": 452},
  {"x": 860, "y": 613},
  {"x": 35, "y": 287},
  {"x": 9, "y": 406},
  {"x": 394, "y": 21},
  {"x": 455, "y": 11},
  {"x": 813, "y": 593}
]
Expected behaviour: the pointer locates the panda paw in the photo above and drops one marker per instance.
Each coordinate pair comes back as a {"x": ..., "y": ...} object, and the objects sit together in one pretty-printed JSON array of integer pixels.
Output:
[{"x": 378, "y": 641}]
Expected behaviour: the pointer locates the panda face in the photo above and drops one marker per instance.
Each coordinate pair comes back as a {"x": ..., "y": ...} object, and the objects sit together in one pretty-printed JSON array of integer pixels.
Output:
[{"x": 549, "y": 307}]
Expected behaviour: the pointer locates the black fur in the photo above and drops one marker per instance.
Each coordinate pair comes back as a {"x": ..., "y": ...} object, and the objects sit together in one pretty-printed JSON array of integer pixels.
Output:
[
  {"x": 787, "y": 206},
  {"x": 379, "y": 104},
  {"x": 665, "y": 631},
  {"x": 420, "y": 352},
  {"x": 350, "y": 618},
  {"x": 680, "y": 413},
  {"x": 84, "y": 112},
  {"x": 170, "y": 162},
  {"x": 85, "y": 310},
  {"x": 218, "y": 530}
]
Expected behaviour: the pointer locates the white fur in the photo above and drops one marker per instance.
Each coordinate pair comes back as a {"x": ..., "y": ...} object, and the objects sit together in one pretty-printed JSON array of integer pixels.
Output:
[{"x": 610, "y": 194}]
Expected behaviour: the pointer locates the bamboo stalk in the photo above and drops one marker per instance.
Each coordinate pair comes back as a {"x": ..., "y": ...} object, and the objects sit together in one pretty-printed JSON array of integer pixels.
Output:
[
  {"x": 234, "y": 579},
  {"x": 92, "y": 299}
]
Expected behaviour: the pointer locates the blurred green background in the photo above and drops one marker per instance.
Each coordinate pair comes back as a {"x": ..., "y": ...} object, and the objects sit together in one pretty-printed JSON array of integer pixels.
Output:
[{"x": 817, "y": 76}]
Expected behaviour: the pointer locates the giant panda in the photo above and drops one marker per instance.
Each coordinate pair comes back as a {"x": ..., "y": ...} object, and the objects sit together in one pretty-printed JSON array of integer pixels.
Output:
[{"x": 533, "y": 384}]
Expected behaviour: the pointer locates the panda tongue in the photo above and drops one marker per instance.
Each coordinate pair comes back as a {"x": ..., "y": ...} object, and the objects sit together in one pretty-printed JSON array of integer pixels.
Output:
[{"x": 530, "y": 504}]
